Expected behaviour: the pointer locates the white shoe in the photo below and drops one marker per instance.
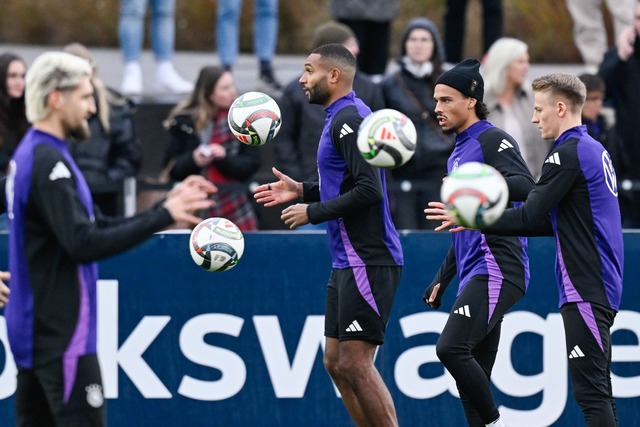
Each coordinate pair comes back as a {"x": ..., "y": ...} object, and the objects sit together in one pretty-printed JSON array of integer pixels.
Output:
[
  {"x": 168, "y": 79},
  {"x": 131, "y": 79}
]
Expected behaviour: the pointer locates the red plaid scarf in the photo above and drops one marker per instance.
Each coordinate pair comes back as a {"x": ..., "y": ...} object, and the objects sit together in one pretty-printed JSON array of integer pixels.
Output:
[{"x": 231, "y": 200}]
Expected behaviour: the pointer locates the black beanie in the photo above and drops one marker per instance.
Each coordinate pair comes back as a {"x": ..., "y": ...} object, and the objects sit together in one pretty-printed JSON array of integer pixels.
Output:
[{"x": 465, "y": 77}]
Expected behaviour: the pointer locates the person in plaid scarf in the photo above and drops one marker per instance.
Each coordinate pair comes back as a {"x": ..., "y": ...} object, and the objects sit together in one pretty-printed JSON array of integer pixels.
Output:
[{"x": 200, "y": 141}]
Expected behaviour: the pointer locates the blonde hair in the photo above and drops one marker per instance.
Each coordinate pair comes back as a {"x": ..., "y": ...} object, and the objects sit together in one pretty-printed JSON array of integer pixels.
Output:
[
  {"x": 51, "y": 71},
  {"x": 565, "y": 86},
  {"x": 499, "y": 56}
]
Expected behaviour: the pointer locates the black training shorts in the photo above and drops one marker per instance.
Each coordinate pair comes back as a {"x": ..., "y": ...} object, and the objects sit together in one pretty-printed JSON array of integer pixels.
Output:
[{"x": 359, "y": 301}]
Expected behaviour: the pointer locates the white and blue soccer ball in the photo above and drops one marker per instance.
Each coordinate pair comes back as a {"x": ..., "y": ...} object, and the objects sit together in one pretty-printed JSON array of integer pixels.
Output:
[
  {"x": 216, "y": 244},
  {"x": 254, "y": 118},
  {"x": 387, "y": 138},
  {"x": 476, "y": 194}
]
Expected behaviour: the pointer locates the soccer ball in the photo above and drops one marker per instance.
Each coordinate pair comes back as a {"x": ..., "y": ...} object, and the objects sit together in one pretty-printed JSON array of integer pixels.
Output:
[
  {"x": 254, "y": 118},
  {"x": 387, "y": 138},
  {"x": 476, "y": 194},
  {"x": 216, "y": 244}
]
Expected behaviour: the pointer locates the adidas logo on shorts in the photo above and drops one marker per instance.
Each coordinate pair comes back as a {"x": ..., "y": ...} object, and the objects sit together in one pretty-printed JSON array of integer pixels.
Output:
[
  {"x": 576, "y": 353},
  {"x": 354, "y": 327}
]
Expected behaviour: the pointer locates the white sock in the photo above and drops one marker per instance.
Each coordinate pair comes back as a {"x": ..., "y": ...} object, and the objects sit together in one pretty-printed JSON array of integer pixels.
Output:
[{"x": 496, "y": 423}]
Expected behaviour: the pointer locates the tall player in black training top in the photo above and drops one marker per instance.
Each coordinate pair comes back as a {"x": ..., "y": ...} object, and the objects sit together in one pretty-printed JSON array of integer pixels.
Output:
[
  {"x": 365, "y": 248},
  {"x": 493, "y": 271},
  {"x": 576, "y": 201},
  {"x": 55, "y": 238}
]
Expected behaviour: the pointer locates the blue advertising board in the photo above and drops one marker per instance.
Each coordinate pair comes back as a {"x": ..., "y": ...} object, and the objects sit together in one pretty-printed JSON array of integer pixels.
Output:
[{"x": 182, "y": 346}]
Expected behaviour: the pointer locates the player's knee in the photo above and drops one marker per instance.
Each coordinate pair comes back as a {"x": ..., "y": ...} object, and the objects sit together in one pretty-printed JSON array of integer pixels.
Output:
[
  {"x": 353, "y": 367},
  {"x": 330, "y": 365},
  {"x": 447, "y": 353}
]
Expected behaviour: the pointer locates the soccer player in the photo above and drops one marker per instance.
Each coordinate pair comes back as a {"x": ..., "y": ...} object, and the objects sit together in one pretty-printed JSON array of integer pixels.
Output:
[
  {"x": 55, "y": 239},
  {"x": 493, "y": 271},
  {"x": 366, "y": 254},
  {"x": 576, "y": 201}
]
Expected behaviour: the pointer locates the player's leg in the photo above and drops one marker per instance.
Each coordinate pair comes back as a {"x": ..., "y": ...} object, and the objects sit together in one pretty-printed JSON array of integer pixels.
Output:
[
  {"x": 469, "y": 342},
  {"x": 74, "y": 392},
  {"x": 332, "y": 353},
  {"x": 485, "y": 354},
  {"x": 32, "y": 408},
  {"x": 588, "y": 341},
  {"x": 331, "y": 357},
  {"x": 374, "y": 401},
  {"x": 365, "y": 298}
]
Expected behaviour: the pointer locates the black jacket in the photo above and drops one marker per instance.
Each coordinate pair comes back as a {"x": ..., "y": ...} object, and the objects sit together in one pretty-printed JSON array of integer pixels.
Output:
[{"x": 240, "y": 163}]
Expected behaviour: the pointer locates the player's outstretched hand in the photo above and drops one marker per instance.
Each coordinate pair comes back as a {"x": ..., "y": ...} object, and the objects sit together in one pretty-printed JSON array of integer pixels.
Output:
[
  {"x": 275, "y": 193},
  {"x": 438, "y": 212},
  {"x": 188, "y": 197},
  {"x": 4, "y": 289}
]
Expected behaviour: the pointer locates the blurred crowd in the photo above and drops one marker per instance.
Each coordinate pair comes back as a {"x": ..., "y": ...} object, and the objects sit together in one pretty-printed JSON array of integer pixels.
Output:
[{"x": 199, "y": 140}]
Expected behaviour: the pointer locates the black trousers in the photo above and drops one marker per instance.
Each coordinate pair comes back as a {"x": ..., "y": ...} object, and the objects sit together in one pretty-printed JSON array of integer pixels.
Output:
[
  {"x": 468, "y": 345},
  {"x": 373, "y": 39},
  {"x": 455, "y": 26},
  {"x": 587, "y": 329}
]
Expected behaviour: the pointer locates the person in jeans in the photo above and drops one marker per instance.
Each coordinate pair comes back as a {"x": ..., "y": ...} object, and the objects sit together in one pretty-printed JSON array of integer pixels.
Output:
[
  {"x": 265, "y": 35},
  {"x": 131, "y": 34}
]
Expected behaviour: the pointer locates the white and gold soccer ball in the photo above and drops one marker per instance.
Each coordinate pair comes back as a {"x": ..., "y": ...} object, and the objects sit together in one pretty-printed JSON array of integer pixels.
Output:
[
  {"x": 387, "y": 138},
  {"x": 476, "y": 194},
  {"x": 216, "y": 244},
  {"x": 254, "y": 118}
]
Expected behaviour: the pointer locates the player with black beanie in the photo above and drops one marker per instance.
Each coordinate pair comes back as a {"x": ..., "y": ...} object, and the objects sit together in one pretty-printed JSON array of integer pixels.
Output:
[{"x": 493, "y": 271}]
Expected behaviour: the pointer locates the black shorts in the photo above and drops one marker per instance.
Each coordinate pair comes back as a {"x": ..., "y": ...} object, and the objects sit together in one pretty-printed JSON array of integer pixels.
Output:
[
  {"x": 40, "y": 396},
  {"x": 359, "y": 301}
]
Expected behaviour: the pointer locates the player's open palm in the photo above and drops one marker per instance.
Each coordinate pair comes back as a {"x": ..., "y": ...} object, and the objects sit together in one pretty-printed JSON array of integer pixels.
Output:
[
  {"x": 188, "y": 197},
  {"x": 275, "y": 193}
]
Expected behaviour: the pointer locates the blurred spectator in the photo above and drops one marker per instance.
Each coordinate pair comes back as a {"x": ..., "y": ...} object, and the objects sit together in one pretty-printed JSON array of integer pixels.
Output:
[
  {"x": 295, "y": 146},
  {"x": 131, "y": 34},
  {"x": 509, "y": 98},
  {"x": 410, "y": 91},
  {"x": 600, "y": 122},
  {"x": 620, "y": 70},
  {"x": 370, "y": 20},
  {"x": 589, "y": 30},
  {"x": 112, "y": 152},
  {"x": 265, "y": 35},
  {"x": 200, "y": 141},
  {"x": 13, "y": 116},
  {"x": 455, "y": 18}
]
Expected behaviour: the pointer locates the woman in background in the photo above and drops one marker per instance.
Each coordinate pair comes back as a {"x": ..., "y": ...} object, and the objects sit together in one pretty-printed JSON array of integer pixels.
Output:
[
  {"x": 200, "y": 141},
  {"x": 113, "y": 152},
  {"x": 13, "y": 117},
  {"x": 410, "y": 91},
  {"x": 509, "y": 98}
]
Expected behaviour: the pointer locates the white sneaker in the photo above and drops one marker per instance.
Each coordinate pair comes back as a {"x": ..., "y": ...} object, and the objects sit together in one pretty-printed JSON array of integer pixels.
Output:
[
  {"x": 131, "y": 79},
  {"x": 168, "y": 79}
]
